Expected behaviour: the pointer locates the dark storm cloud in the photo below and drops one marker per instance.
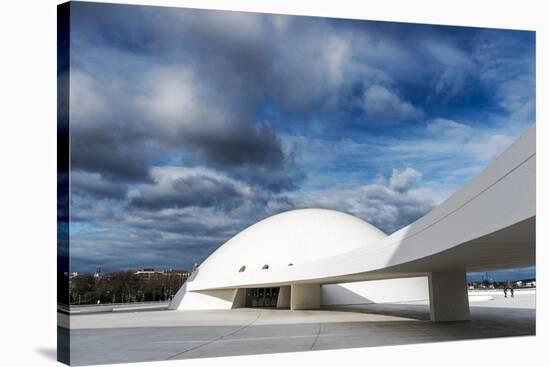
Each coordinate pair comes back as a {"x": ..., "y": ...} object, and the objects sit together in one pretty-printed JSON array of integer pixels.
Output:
[
  {"x": 204, "y": 108},
  {"x": 181, "y": 188},
  {"x": 123, "y": 140},
  {"x": 96, "y": 186},
  {"x": 105, "y": 153},
  {"x": 107, "y": 139},
  {"x": 243, "y": 148},
  {"x": 161, "y": 238},
  {"x": 172, "y": 254},
  {"x": 206, "y": 89}
]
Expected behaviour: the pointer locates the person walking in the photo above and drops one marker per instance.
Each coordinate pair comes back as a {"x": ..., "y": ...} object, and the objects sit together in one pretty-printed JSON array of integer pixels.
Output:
[{"x": 506, "y": 287}]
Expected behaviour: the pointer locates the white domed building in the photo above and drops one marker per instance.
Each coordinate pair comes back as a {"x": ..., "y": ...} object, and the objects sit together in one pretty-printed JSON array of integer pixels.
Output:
[{"x": 250, "y": 269}]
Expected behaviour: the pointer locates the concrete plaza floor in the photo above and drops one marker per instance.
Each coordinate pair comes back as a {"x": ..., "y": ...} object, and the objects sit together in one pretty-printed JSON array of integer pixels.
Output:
[{"x": 164, "y": 335}]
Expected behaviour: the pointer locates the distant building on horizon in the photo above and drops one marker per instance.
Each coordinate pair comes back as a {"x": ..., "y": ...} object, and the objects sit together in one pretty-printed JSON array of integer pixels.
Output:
[
  {"x": 150, "y": 273},
  {"x": 97, "y": 274}
]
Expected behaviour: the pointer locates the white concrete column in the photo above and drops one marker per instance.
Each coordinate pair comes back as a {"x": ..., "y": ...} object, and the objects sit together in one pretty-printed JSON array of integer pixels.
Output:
[
  {"x": 449, "y": 296},
  {"x": 283, "y": 300},
  {"x": 305, "y": 296}
]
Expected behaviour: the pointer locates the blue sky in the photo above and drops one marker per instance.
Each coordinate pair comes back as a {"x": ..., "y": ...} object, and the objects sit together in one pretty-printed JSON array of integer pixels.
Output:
[{"x": 187, "y": 126}]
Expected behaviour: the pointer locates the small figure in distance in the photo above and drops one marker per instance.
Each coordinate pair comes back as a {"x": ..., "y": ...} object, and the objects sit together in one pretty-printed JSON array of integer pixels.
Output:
[{"x": 506, "y": 287}]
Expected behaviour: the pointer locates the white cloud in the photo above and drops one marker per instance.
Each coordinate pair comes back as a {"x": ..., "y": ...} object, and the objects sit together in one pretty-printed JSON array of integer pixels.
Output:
[
  {"x": 490, "y": 147},
  {"x": 453, "y": 141},
  {"x": 445, "y": 128},
  {"x": 510, "y": 74},
  {"x": 456, "y": 68},
  {"x": 386, "y": 207},
  {"x": 380, "y": 101},
  {"x": 171, "y": 99},
  {"x": 313, "y": 65},
  {"x": 404, "y": 180},
  {"x": 480, "y": 144},
  {"x": 89, "y": 102},
  {"x": 338, "y": 55}
]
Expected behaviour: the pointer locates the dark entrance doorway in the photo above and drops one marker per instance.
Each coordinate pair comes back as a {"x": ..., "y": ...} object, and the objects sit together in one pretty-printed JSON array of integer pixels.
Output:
[{"x": 261, "y": 297}]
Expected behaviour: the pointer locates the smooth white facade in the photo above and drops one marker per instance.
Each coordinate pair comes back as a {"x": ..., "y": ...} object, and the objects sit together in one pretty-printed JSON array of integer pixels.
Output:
[
  {"x": 287, "y": 241},
  {"x": 488, "y": 224},
  {"x": 375, "y": 291}
]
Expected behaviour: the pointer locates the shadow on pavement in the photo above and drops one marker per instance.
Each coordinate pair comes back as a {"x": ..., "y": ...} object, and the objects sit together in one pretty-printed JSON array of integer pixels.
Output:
[{"x": 49, "y": 353}]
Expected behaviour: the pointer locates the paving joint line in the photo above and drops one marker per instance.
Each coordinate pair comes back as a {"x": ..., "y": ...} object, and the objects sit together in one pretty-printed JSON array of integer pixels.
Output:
[
  {"x": 216, "y": 339},
  {"x": 317, "y": 336}
]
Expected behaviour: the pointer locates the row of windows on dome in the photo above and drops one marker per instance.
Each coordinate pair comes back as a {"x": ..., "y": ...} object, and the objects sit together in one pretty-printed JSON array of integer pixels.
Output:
[{"x": 265, "y": 267}]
